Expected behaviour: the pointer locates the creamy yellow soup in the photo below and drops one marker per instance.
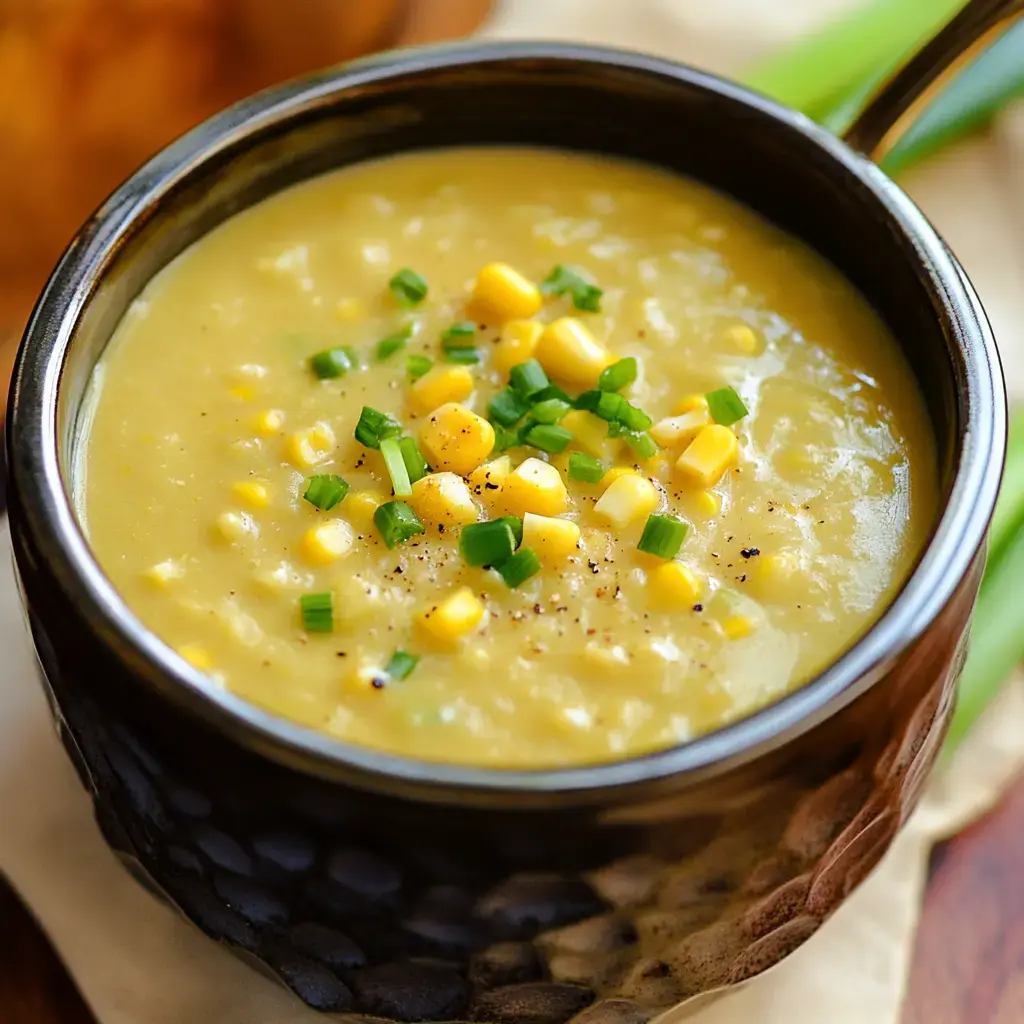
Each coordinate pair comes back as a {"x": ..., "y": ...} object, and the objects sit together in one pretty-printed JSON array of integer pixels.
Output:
[{"x": 683, "y": 559}]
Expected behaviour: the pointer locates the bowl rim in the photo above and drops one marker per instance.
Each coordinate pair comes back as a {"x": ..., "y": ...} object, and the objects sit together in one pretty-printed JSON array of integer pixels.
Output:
[{"x": 50, "y": 520}]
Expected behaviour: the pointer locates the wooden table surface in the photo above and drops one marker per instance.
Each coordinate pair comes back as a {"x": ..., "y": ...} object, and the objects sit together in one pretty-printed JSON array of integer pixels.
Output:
[{"x": 968, "y": 965}]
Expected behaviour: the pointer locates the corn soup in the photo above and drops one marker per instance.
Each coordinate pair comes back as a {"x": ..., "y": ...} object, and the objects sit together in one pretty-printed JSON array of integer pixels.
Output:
[{"x": 507, "y": 457}]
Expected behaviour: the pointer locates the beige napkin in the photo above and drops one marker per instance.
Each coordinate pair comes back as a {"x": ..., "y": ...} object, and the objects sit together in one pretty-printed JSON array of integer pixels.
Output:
[{"x": 138, "y": 963}]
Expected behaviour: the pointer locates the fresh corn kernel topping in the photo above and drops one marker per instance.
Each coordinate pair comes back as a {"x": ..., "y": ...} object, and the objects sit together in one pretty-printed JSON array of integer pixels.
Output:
[
  {"x": 673, "y": 586},
  {"x": 454, "y": 617},
  {"x": 568, "y": 351},
  {"x": 488, "y": 479},
  {"x": 309, "y": 447},
  {"x": 535, "y": 486},
  {"x": 350, "y": 310},
  {"x": 440, "y": 385},
  {"x": 743, "y": 338},
  {"x": 708, "y": 504},
  {"x": 589, "y": 432},
  {"x": 327, "y": 542},
  {"x": 443, "y": 499},
  {"x": 253, "y": 494},
  {"x": 360, "y": 506},
  {"x": 518, "y": 343},
  {"x": 166, "y": 572},
  {"x": 455, "y": 439},
  {"x": 236, "y": 526},
  {"x": 627, "y": 499},
  {"x": 553, "y": 539},
  {"x": 270, "y": 422},
  {"x": 713, "y": 451},
  {"x": 736, "y": 627},
  {"x": 615, "y": 473},
  {"x": 676, "y": 431},
  {"x": 501, "y": 293},
  {"x": 688, "y": 403},
  {"x": 243, "y": 392},
  {"x": 198, "y": 657}
]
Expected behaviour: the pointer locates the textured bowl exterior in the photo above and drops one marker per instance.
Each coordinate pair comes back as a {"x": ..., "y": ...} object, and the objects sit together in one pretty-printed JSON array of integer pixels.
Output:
[{"x": 381, "y": 887}]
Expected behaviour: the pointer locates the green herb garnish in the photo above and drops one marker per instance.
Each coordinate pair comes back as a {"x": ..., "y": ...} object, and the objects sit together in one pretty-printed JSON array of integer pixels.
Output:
[
  {"x": 408, "y": 288},
  {"x": 325, "y": 491}
]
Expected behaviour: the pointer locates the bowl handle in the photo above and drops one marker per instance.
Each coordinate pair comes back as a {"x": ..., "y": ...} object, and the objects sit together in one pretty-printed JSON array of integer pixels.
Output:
[{"x": 896, "y": 102}]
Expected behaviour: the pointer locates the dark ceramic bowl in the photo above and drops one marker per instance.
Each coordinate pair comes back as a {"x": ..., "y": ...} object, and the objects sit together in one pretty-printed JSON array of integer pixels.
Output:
[{"x": 391, "y": 888}]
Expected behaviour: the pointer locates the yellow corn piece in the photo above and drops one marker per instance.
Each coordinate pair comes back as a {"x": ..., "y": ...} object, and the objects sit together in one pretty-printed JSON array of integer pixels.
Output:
[
  {"x": 553, "y": 539},
  {"x": 166, "y": 572},
  {"x": 707, "y": 503},
  {"x": 688, "y": 403},
  {"x": 708, "y": 456},
  {"x": 487, "y": 481},
  {"x": 236, "y": 526},
  {"x": 360, "y": 506},
  {"x": 518, "y": 343},
  {"x": 441, "y": 384},
  {"x": 269, "y": 422},
  {"x": 614, "y": 473},
  {"x": 501, "y": 293},
  {"x": 443, "y": 499},
  {"x": 308, "y": 447},
  {"x": 736, "y": 627},
  {"x": 589, "y": 432},
  {"x": 253, "y": 494},
  {"x": 455, "y": 439},
  {"x": 673, "y": 586},
  {"x": 568, "y": 351},
  {"x": 349, "y": 310},
  {"x": 243, "y": 392},
  {"x": 326, "y": 542},
  {"x": 454, "y": 617},
  {"x": 676, "y": 431},
  {"x": 535, "y": 486},
  {"x": 743, "y": 338},
  {"x": 198, "y": 657},
  {"x": 627, "y": 499}
]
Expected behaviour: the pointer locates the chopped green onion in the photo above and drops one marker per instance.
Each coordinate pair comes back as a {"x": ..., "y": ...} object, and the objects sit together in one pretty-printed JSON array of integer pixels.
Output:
[
  {"x": 332, "y": 362},
  {"x": 520, "y": 567},
  {"x": 507, "y": 407},
  {"x": 397, "y": 522},
  {"x": 552, "y": 391},
  {"x": 641, "y": 442},
  {"x": 408, "y": 287},
  {"x": 551, "y": 410},
  {"x": 464, "y": 355},
  {"x": 325, "y": 491},
  {"x": 663, "y": 536},
  {"x": 528, "y": 378},
  {"x": 317, "y": 612},
  {"x": 391, "y": 449},
  {"x": 374, "y": 426},
  {"x": 618, "y": 375},
  {"x": 633, "y": 418},
  {"x": 585, "y": 468},
  {"x": 548, "y": 438},
  {"x": 606, "y": 404},
  {"x": 585, "y": 294},
  {"x": 515, "y": 524},
  {"x": 393, "y": 342},
  {"x": 416, "y": 466},
  {"x": 400, "y": 665},
  {"x": 505, "y": 438},
  {"x": 725, "y": 406},
  {"x": 462, "y": 331},
  {"x": 490, "y": 543},
  {"x": 417, "y": 365}
]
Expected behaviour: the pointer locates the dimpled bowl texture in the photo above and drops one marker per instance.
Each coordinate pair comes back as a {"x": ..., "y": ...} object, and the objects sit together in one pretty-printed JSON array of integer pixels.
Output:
[{"x": 379, "y": 887}]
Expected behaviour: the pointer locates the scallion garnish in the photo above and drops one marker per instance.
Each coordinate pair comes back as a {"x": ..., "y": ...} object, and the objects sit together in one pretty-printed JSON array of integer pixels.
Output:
[
  {"x": 393, "y": 343},
  {"x": 463, "y": 332},
  {"x": 391, "y": 449},
  {"x": 416, "y": 466},
  {"x": 585, "y": 468},
  {"x": 505, "y": 438},
  {"x": 317, "y": 611},
  {"x": 551, "y": 410},
  {"x": 633, "y": 418},
  {"x": 548, "y": 438},
  {"x": 551, "y": 391},
  {"x": 507, "y": 407},
  {"x": 417, "y": 365},
  {"x": 490, "y": 543},
  {"x": 374, "y": 426},
  {"x": 585, "y": 294},
  {"x": 528, "y": 378},
  {"x": 400, "y": 665},
  {"x": 515, "y": 524},
  {"x": 641, "y": 442},
  {"x": 332, "y": 362},
  {"x": 397, "y": 522},
  {"x": 463, "y": 355},
  {"x": 725, "y": 406},
  {"x": 520, "y": 567},
  {"x": 408, "y": 287},
  {"x": 618, "y": 375},
  {"x": 663, "y": 536},
  {"x": 325, "y": 491}
]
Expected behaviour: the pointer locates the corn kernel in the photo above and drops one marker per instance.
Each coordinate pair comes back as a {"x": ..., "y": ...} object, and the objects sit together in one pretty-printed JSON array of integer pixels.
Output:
[
  {"x": 736, "y": 627},
  {"x": 688, "y": 403},
  {"x": 455, "y": 439},
  {"x": 676, "y": 431},
  {"x": 443, "y": 499},
  {"x": 454, "y": 617},
  {"x": 165, "y": 572},
  {"x": 308, "y": 447},
  {"x": 589, "y": 432},
  {"x": 349, "y": 310},
  {"x": 615, "y": 472},
  {"x": 253, "y": 494},
  {"x": 553, "y": 539},
  {"x": 568, "y": 351},
  {"x": 627, "y": 499},
  {"x": 198, "y": 657},
  {"x": 486, "y": 480},
  {"x": 708, "y": 456},
  {"x": 326, "y": 542},
  {"x": 707, "y": 503},
  {"x": 236, "y": 526},
  {"x": 439, "y": 385},
  {"x": 243, "y": 392},
  {"x": 360, "y": 506},
  {"x": 535, "y": 486},
  {"x": 673, "y": 586},
  {"x": 743, "y": 338},
  {"x": 518, "y": 343},
  {"x": 501, "y": 293},
  {"x": 269, "y": 422}
]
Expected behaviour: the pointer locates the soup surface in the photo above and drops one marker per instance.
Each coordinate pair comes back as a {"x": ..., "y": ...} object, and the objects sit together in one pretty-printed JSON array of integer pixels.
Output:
[{"x": 707, "y": 468}]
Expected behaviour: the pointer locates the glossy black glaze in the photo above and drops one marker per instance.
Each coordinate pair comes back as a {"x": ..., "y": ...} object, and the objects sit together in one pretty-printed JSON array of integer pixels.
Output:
[{"x": 382, "y": 886}]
